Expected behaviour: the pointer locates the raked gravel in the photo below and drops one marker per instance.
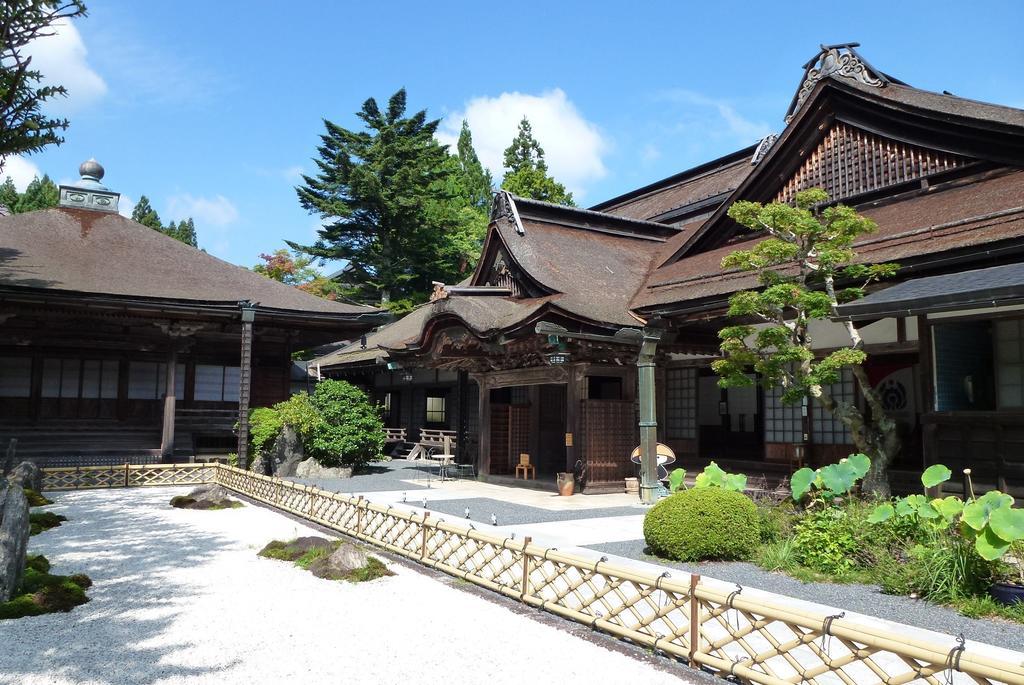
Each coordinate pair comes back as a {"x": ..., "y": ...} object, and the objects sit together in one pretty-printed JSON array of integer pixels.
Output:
[{"x": 181, "y": 597}]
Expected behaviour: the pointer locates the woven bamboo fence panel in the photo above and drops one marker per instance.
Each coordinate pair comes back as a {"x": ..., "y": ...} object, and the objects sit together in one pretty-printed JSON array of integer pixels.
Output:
[
  {"x": 748, "y": 638},
  {"x": 125, "y": 475}
]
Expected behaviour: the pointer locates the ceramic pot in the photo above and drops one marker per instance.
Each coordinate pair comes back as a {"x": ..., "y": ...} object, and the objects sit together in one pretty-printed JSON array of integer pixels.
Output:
[{"x": 566, "y": 484}]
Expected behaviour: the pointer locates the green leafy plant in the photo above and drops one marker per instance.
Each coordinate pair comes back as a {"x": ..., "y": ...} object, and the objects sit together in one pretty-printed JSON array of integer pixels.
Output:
[
  {"x": 829, "y": 482},
  {"x": 676, "y": 480},
  {"x": 826, "y": 541},
  {"x": 991, "y": 522},
  {"x": 703, "y": 523},
  {"x": 714, "y": 477}
]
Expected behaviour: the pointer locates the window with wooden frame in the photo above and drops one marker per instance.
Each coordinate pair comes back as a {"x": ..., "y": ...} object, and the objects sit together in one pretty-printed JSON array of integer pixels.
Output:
[
  {"x": 826, "y": 429},
  {"x": 215, "y": 383},
  {"x": 681, "y": 403},
  {"x": 1010, "y": 363},
  {"x": 782, "y": 422},
  {"x": 15, "y": 376},
  {"x": 80, "y": 378},
  {"x": 436, "y": 409}
]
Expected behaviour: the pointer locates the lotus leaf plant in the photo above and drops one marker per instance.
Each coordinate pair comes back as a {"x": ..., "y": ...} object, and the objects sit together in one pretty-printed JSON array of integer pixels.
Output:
[
  {"x": 825, "y": 484},
  {"x": 990, "y": 521},
  {"x": 713, "y": 476}
]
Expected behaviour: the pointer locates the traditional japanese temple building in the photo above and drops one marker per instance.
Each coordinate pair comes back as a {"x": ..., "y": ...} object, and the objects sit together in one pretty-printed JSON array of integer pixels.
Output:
[
  {"x": 119, "y": 342},
  {"x": 940, "y": 174}
]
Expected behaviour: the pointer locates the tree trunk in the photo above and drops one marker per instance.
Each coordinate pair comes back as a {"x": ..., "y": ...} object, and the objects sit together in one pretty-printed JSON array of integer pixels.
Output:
[{"x": 876, "y": 436}]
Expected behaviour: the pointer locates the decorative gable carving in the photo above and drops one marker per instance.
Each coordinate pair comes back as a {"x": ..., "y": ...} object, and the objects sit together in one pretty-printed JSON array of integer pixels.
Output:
[
  {"x": 839, "y": 61},
  {"x": 501, "y": 274},
  {"x": 850, "y": 161}
]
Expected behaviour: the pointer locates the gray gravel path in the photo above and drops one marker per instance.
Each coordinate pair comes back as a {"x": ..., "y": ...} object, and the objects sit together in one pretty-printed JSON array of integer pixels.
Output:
[
  {"x": 864, "y": 599},
  {"x": 509, "y": 514},
  {"x": 380, "y": 477}
]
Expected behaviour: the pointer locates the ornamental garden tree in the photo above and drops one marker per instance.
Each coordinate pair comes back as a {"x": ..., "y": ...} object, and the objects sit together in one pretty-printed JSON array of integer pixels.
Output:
[{"x": 806, "y": 266}]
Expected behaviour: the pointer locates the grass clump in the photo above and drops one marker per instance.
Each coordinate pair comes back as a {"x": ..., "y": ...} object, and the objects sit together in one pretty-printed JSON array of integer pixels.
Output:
[
  {"x": 35, "y": 499},
  {"x": 44, "y": 520},
  {"x": 43, "y": 593},
  {"x": 702, "y": 524}
]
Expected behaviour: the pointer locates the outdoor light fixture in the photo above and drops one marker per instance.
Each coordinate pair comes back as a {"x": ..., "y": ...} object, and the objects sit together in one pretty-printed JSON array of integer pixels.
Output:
[
  {"x": 407, "y": 376},
  {"x": 248, "y": 311},
  {"x": 560, "y": 355}
]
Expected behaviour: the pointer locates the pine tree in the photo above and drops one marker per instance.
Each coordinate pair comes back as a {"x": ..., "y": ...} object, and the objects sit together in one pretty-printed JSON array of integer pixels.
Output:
[
  {"x": 24, "y": 127},
  {"x": 9, "y": 195},
  {"x": 146, "y": 215},
  {"x": 478, "y": 182},
  {"x": 186, "y": 232},
  {"x": 394, "y": 205},
  {"x": 526, "y": 172},
  {"x": 41, "y": 193}
]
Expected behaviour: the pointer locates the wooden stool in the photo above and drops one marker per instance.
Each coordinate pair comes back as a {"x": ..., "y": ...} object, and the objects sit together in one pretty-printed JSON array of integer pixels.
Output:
[{"x": 528, "y": 470}]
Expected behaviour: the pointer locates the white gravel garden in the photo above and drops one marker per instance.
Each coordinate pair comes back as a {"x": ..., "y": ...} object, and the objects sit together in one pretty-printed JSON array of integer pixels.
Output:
[{"x": 180, "y": 596}]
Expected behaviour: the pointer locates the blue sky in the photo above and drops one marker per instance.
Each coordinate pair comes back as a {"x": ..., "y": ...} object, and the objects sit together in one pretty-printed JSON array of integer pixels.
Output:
[{"x": 212, "y": 109}]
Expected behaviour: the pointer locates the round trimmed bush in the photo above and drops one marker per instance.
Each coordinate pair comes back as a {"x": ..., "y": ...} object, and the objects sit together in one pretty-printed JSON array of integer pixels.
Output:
[{"x": 703, "y": 523}]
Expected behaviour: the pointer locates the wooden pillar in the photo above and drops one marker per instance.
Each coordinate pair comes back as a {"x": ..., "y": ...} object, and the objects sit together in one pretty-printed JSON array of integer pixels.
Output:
[
  {"x": 170, "y": 397},
  {"x": 483, "y": 465},
  {"x": 533, "y": 440},
  {"x": 245, "y": 384},
  {"x": 575, "y": 391},
  {"x": 462, "y": 429}
]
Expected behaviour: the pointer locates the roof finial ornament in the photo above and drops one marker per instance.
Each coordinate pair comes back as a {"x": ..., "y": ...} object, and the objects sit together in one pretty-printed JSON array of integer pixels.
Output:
[
  {"x": 87, "y": 192},
  {"x": 837, "y": 61}
]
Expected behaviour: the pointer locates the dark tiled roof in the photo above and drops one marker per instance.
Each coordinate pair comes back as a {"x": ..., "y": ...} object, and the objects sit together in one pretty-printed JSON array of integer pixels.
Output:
[
  {"x": 941, "y": 103},
  {"x": 943, "y": 220},
  {"x": 985, "y": 287},
  {"x": 686, "y": 188},
  {"x": 594, "y": 273},
  {"x": 83, "y": 251},
  {"x": 483, "y": 316}
]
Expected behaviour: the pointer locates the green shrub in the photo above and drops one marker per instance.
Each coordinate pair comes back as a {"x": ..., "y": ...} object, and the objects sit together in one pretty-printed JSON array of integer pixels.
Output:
[
  {"x": 774, "y": 521},
  {"x": 264, "y": 425},
  {"x": 952, "y": 569},
  {"x": 703, "y": 523},
  {"x": 777, "y": 556},
  {"x": 351, "y": 432},
  {"x": 337, "y": 425},
  {"x": 826, "y": 541}
]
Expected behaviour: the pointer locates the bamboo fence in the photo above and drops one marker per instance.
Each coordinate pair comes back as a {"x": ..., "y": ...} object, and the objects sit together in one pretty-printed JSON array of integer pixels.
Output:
[{"x": 749, "y": 638}]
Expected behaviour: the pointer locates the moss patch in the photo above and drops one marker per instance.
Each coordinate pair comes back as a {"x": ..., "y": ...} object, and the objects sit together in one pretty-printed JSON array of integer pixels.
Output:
[
  {"x": 35, "y": 499},
  {"x": 43, "y": 593},
  {"x": 311, "y": 553},
  {"x": 186, "y": 502},
  {"x": 44, "y": 520}
]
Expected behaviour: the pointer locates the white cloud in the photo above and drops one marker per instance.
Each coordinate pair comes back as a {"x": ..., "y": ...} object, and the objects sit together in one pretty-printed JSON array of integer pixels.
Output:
[
  {"x": 61, "y": 58},
  {"x": 217, "y": 211},
  {"x": 573, "y": 146},
  {"x": 21, "y": 171},
  {"x": 707, "y": 116},
  {"x": 125, "y": 206}
]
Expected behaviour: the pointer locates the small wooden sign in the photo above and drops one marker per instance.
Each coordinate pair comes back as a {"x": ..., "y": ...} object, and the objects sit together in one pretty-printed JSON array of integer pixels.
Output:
[{"x": 568, "y": 439}]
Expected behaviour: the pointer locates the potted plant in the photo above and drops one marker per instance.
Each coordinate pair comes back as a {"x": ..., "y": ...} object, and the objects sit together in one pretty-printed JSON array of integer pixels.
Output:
[{"x": 1009, "y": 587}]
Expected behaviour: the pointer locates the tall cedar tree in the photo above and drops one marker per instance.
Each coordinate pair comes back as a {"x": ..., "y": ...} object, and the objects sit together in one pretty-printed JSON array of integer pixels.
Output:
[
  {"x": 184, "y": 231},
  {"x": 394, "y": 205},
  {"x": 526, "y": 172},
  {"x": 24, "y": 128},
  {"x": 478, "y": 181},
  {"x": 806, "y": 256}
]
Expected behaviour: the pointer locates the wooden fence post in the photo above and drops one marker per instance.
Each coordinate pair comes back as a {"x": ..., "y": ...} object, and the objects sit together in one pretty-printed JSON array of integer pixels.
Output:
[
  {"x": 359, "y": 516},
  {"x": 525, "y": 588},
  {"x": 694, "y": 619},
  {"x": 126, "y": 474},
  {"x": 423, "y": 542}
]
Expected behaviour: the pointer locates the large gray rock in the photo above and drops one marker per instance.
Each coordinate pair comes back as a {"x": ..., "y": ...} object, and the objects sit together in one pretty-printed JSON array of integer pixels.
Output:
[
  {"x": 311, "y": 468},
  {"x": 8, "y": 462},
  {"x": 27, "y": 475},
  {"x": 286, "y": 453},
  {"x": 342, "y": 561},
  {"x": 14, "y": 530},
  {"x": 206, "y": 497}
]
